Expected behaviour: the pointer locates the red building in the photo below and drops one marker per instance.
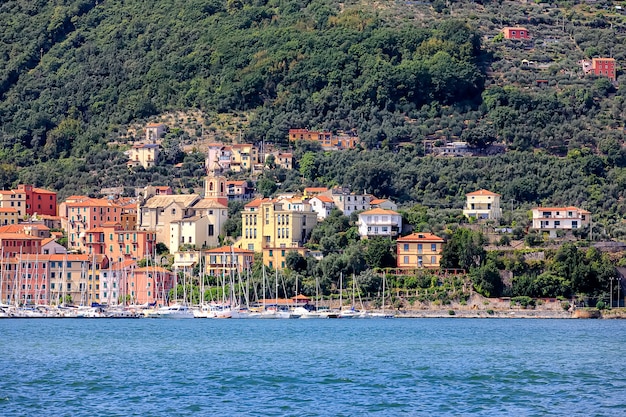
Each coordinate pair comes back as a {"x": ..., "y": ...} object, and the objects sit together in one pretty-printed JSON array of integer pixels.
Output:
[
  {"x": 515, "y": 33},
  {"x": 38, "y": 200},
  {"x": 604, "y": 67},
  {"x": 13, "y": 244}
]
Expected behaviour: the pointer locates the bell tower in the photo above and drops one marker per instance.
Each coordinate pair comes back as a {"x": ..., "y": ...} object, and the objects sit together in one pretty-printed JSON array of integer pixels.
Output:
[{"x": 215, "y": 182}]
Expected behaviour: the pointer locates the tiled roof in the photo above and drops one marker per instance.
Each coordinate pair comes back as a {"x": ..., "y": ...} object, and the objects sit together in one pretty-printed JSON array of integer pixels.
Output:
[
  {"x": 379, "y": 211},
  {"x": 425, "y": 237},
  {"x": 23, "y": 236},
  {"x": 207, "y": 203},
  {"x": 570, "y": 208},
  {"x": 482, "y": 192}
]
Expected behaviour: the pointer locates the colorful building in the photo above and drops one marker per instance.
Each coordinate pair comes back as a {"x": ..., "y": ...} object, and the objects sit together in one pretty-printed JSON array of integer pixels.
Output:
[
  {"x": 117, "y": 243},
  {"x": 143, "y": 154},
  {"x": 14, "y": 199},
  {"x": 272, "y": 224},
  {"x": 39, "y": 200},
  {"x": 227, "y": 260},
  {"x": 515, "y": 33},
  {"x": 419, "y": 250}
]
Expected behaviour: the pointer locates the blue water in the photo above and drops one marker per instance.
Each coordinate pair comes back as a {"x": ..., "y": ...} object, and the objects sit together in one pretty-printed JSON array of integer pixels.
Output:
[{"x": 402, "y": 367}]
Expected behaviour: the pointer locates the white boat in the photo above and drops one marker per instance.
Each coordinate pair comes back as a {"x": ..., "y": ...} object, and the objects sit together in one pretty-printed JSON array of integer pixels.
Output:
[{"x": 175, "y": 311}]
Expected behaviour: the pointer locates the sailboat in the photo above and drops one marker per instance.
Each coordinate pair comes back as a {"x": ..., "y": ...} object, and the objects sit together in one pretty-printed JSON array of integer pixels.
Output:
[{"x": 382, "y": 313}]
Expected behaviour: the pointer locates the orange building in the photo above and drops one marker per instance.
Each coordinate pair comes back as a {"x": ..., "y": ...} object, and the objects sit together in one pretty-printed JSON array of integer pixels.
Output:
[
  {"x": 119, "y": 244},
  {"x": 419, "y": 250}
]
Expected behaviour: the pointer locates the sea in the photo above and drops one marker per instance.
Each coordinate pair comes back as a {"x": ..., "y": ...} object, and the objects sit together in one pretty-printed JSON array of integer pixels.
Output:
[{"x": 375, "y": 367}]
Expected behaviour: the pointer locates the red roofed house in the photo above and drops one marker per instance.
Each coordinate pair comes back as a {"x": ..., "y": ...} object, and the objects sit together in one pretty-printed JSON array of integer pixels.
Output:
[
  {"x": 515, "y": 33},
  {"x": 322, "y": 205},
  {"x": 419, "y": 250},
  {"x": 38, "y": 200},
  {"x": 482, "y": 204},
  {"x": 604, "y": 67},
  {"x": 379, "y": 222}
]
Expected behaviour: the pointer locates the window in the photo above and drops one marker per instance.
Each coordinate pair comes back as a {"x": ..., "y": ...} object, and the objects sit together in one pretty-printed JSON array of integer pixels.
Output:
[
  {"x": 419, "y": 248},
  {"x": 406, "y": 259},
  {"x": 433, "y": 260},
  {"x": 433, "y": 247},
  {"x": 406, "y": 246}
]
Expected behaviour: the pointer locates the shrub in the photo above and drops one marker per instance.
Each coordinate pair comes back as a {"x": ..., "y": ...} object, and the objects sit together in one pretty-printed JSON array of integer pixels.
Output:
[
  {"x": 451, "y": 312},
  {"x": 565, "y": 305},
  {"x": 490, "y": 312},
  {"x": 600, "y": 305}
]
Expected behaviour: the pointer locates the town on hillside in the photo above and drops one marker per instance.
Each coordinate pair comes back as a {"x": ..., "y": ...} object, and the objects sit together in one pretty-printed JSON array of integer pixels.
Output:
[{"x": 132, "y": 250}]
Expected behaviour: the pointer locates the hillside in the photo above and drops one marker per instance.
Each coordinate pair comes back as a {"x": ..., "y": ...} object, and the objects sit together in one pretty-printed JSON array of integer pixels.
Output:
[{"x": 78, "y": 75}]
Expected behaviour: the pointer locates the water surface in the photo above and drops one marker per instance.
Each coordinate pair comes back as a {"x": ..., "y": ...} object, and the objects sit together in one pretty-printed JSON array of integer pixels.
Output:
[{"x": 410, "y": 367}]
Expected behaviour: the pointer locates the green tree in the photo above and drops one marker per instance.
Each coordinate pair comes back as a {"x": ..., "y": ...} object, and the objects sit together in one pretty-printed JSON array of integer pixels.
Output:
[{"x": 464, "y": 250}]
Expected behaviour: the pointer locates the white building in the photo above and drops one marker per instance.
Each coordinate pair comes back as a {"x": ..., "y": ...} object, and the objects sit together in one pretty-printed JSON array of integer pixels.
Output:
[
  {"x": 560, "y": 218},
  {"x": 322, "y": 205},
  {"x": 482, "y": 204},
  {"x": 379, "y": 222}
]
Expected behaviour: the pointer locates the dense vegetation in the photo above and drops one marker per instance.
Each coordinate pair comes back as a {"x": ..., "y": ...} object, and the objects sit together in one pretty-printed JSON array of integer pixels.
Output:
[{"x": 77, "y": 77}]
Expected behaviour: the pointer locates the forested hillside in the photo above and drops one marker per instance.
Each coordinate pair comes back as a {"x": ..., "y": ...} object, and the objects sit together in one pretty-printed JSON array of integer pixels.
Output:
[{"x": 75, "y": 75}]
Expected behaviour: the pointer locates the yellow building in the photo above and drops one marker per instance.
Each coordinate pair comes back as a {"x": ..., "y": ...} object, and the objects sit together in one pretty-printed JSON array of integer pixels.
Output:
[
  {"x": 243, "y": 157},
  {"x": 482, "y": 204},
  {"x": 419, "y": 250},
  {"x": 8, "y": 216},
  {"x": 15, "y": 199},
  {"x": 143, "y": 154},
  {"x": 270, "y": 225}
]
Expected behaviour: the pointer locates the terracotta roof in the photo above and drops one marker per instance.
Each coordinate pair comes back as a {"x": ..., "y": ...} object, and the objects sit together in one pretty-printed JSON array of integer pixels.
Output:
[
  {"x": 48, "y": 240},
  {"x": 155, "y": 124},
  {"x": 23, "y": 236},
  {"x": 315, "y": 189},
  {"x": 482, "y": 192},
  {"x": 43, "y": 191},
  {"x": 49, "y": 217},
  {"x": 207, "y": 203},
  {"x": 324, "y": 199},
  {"x": 229, "y": 249},
  {"x": 257, "y": 202},
  {"x": 426, "y": 237},
  {"x": 378, "y": 211},
  {"x": 378, "y": 201},
  {"x": 236, "y": 182},
  {"x": 8, "y": 210},
  {"x": 514, "y": 28},
  {"x": 94, "y": 202},
  {"x": 300, "y": 297},
  {"x": 570, "y": 208}
]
